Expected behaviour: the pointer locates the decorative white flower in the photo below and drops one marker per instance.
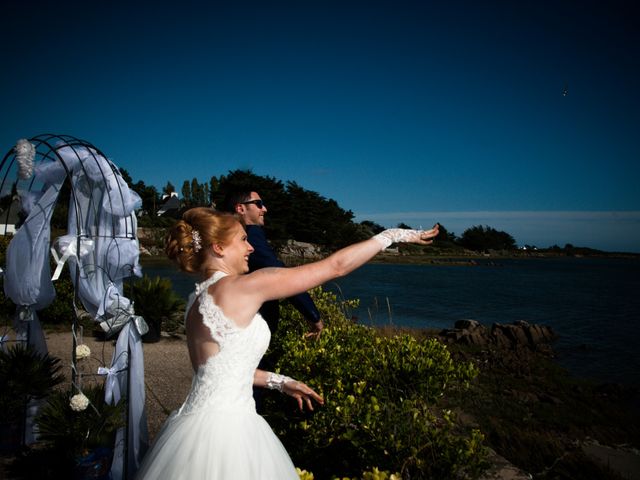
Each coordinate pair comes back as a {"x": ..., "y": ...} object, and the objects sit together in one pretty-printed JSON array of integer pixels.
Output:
[
  {"x": 197, "y": 240},
  {"x": 25, "y": 153},
  {"x": 82, "y": 351},
  {"x": 79, "y": 402}
]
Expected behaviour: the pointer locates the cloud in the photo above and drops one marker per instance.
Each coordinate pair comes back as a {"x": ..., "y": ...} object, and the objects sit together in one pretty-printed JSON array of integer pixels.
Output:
[{"x": 605, "y": 230}]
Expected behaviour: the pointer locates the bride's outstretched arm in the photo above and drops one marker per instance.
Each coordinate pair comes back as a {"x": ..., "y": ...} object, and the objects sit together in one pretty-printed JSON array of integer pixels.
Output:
[{"x": 275, "y": 283}]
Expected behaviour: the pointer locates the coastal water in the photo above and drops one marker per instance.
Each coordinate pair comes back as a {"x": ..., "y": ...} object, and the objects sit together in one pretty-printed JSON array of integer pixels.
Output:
[{"x": 593, "y": 304}]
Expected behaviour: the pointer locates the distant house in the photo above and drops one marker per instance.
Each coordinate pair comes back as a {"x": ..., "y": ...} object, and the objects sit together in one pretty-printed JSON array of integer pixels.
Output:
[
  {"x": 10, "y": 216},
  {"x": 170, "y": 205}
]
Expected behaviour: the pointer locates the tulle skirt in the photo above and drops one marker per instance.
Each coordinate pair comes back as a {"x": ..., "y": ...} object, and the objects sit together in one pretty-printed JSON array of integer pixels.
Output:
[{"x": 218, "y": 445}]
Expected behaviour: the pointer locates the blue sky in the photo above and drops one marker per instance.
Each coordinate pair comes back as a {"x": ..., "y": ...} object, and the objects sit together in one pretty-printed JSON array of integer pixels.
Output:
[{"x": 403, "y": 111}]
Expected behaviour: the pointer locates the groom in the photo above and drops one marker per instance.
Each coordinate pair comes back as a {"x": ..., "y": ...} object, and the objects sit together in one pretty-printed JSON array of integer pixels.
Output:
[
  {"x": 251, "y": 209},
  {"x": 248, "y": 205}
]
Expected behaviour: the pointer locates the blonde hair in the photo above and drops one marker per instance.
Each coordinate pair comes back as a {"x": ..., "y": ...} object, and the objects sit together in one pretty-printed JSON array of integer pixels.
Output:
[{"x": 212, "y": 227}]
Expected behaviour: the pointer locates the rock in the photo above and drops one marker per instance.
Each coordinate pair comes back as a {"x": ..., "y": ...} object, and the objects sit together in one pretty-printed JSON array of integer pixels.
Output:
[
  {"x": 515, "y": 334},
  {"x": 475, "y": 338},
  {"x": 467, "y": 325},
  {"x": 623, "y": 460},
  {"x": 510, "y": 336},
  {"x": 502, "y": 469}
]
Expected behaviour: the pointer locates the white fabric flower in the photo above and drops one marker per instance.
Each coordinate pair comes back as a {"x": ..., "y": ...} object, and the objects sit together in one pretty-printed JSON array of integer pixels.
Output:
[
  {"x": 82, "y": 351},
  {"x": 79, "y": 402},
  {"x": 25, "y": 153}
]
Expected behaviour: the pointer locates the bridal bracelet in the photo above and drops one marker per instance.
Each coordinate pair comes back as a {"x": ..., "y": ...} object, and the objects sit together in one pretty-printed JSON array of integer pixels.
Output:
[{"x": 275, "y": 381}]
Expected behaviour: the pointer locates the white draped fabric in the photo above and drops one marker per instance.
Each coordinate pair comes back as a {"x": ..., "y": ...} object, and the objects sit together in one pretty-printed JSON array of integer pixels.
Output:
[
  {"x": 101, "y": 246},
  {"x": 128, "y": 351},
  {"x": 28, "y": 277}
]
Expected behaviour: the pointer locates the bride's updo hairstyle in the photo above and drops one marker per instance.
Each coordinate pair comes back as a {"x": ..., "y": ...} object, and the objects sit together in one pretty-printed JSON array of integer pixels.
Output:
[{"x": 189, "y": 240}]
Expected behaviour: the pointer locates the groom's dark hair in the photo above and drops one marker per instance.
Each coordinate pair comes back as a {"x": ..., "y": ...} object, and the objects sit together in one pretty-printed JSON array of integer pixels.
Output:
[{"x": 234, "y": 197}]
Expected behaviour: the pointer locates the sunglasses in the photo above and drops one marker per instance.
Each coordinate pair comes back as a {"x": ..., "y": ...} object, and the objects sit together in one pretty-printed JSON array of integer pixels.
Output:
[{"x": 257, "y": 203}]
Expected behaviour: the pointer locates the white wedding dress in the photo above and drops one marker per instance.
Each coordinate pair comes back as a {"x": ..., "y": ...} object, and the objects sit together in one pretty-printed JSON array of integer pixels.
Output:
[{"x": 216, "y": 433}]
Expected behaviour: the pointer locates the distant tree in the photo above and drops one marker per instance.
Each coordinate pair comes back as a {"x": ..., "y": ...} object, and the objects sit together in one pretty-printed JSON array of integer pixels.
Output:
[
  {"x": 147, "y": 193},
  {"x": 324, "y": 222},
  {"x": 206, "y": 198},
  {"x": 371, "y": 227},
  {"x": 186, "y": 193},
  {"x": 149, "y": 196},
  {"x": 195, "y": 193},
  {"x": 168, "y": 189},
  {"x": 481, "y": 238},
  {"x": 214, "y": 185},
  {"x": 444, "y": 236}
]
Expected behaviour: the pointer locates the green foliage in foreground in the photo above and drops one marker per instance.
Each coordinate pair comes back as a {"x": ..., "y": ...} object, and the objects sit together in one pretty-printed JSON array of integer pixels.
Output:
[
  {"x": 25, "y": 374},
  {"x": 72, "y": 433},
  {"x": 382, "y": 396}
]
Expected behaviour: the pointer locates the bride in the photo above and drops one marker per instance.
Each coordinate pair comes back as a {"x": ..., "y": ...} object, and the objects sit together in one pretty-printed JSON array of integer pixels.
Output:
[{"x": 216, "y": 433}]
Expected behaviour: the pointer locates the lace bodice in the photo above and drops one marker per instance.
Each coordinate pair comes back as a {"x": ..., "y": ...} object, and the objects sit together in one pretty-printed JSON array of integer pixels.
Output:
[{"x": 225, "y": 380}]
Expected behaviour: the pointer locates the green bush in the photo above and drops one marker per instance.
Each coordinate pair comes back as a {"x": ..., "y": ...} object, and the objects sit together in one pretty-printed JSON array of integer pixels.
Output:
[
  {"x": 155, "y": 300},
  {"x": 75, "y": 433},
  {"x": 25, "y": 374},
  {"x": 383, "y": 398}
]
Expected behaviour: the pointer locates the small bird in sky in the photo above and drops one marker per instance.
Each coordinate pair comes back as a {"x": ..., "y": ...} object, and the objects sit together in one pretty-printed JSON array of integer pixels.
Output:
[{"x": 565, "y": 90}]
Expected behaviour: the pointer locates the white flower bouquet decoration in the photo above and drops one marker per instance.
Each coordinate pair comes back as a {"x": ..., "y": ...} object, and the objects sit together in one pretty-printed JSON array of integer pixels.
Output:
[
  {"x": 79, "y": 402},
  {"x": 82, "y": 351},
  {"x": 25, "y": 154}
]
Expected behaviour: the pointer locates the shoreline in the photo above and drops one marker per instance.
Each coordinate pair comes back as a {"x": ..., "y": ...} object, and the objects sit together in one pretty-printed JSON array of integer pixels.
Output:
[{"x": 462, "y": 260}]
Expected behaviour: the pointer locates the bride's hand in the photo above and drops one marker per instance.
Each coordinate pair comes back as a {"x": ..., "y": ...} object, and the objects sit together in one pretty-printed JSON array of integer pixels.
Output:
[
  {"x": 302, "y": 393},
  {"x": 406, "y": 235},
  {"x": 425, "y": 237}
]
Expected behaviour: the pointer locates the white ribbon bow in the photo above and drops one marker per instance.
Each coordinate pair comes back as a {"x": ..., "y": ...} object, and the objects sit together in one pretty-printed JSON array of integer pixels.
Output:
[{"x": 65, "y": 247}]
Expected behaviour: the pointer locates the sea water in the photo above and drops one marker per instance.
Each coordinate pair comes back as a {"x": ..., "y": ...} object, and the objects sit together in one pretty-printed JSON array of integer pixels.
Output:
[{"x": 591, "y": 303}]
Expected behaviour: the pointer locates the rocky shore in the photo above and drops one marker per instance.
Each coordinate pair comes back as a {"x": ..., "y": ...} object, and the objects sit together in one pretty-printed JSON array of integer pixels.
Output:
[{"x": 535, "y": 415}]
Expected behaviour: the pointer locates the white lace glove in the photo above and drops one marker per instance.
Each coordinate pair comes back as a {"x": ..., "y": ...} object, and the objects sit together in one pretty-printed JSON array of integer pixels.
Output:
[
  {"x": 275, "y": 381},
  {"x": 398, "y": 235}
]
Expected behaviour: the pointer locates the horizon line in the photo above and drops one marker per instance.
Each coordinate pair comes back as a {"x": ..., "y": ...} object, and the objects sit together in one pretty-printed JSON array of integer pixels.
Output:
[{"x": 510, "y": 214}]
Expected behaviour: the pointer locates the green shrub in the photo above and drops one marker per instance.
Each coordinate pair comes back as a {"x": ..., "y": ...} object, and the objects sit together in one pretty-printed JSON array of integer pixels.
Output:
[
  {"x": 25, "y": 374},
  {"x": 155, "y": 300},
  {"x": 74, "y": 433},
  {"x": 382, "y": 396}
]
